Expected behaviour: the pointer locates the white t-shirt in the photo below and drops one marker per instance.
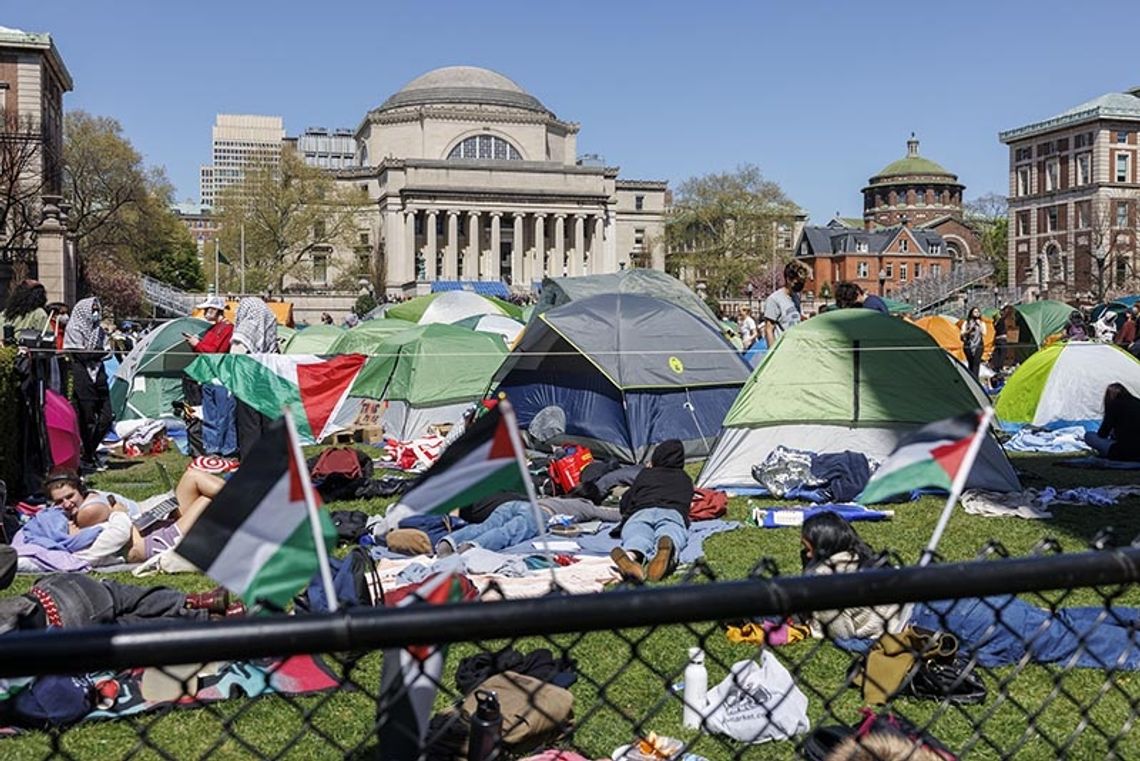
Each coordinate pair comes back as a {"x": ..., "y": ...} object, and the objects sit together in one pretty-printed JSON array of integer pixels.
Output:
[
  {"x": 780, "y": 309},
  {"x": 747, "y": 328}
]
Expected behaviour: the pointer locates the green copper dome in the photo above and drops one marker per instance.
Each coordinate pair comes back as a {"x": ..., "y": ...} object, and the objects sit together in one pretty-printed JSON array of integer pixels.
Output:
[{"x": 912, "y": 164}]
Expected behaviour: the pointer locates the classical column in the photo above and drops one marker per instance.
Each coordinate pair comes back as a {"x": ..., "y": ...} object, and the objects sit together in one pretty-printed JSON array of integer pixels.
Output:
[
  {"x": 431, "y": 249},
  {"x": 399, "y": 269},
  {"x": 474, "y": 245},
  {"x": 410, "y": 242},
  {"x": 491, "y": 272},
  {"x": 578, "y": 256},
  {"x": 451, "y": 253},
  {"x": 557, "y": 266},
  {"x": 597, "y": 258},
  {"x": 538, "y": 262},
  {"x": 518, "y": 271}
]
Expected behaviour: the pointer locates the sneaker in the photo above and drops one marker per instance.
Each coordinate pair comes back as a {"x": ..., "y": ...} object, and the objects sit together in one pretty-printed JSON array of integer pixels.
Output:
[
  {"x": 629, "y": 568},
  {"x": 662, "y": 563},
  {"x": 444, "y": 548}
]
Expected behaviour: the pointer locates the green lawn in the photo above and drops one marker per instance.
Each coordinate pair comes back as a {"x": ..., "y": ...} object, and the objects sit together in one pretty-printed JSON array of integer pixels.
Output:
[{"x": 1032, "y": 712}]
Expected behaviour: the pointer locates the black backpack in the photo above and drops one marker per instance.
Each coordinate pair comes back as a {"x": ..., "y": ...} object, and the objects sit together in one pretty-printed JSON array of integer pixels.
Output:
[
  {"x": 350, "y": 525},
  {"x": 355, "y": 581}
]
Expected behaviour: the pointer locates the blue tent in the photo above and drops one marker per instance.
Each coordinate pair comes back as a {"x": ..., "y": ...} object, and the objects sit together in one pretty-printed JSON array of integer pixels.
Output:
[
  {"x": 756, "y": 352},
  {"x": 627, "y": 372}
]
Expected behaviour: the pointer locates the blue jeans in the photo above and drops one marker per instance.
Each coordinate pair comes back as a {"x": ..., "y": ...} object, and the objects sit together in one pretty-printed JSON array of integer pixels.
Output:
[
  {"x": 1001, "y": 630},
  {"x": 219, "y": 431},
  {"x": 641, "y": 532},
  {"x": 507, "y": 525}
]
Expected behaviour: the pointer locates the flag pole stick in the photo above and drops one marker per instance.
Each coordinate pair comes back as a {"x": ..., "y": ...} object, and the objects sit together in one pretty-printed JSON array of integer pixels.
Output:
[
  {"x": 528, "y": 483},
  {"x": 216, "y": 268},
  {"x": 314, "y": 516},
  {"x": 958, "y": 484}
]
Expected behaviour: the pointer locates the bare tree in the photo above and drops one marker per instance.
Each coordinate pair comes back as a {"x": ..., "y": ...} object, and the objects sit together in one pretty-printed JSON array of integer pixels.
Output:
[
  {"x": 989, "y": 216},
  {"x": 22, "y": 182}
]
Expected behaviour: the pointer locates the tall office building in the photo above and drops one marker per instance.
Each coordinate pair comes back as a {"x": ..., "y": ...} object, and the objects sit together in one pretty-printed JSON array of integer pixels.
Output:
[
  {"x": 239, "y": 140},
  {"x": 327, "y": 149}
]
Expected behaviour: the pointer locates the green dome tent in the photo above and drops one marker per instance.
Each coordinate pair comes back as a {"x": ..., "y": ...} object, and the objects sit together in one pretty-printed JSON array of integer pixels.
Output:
[
  {"x": 315, "y": 339},
  {"x": 1063, "y": 384},
  {"x": 365, "y": 337},
  {"x": 1041, "y": 319},
  {"x": 850, "y": 379},
  {"x": 149, "y": 379},
  {"x": 451, "y": 306}
]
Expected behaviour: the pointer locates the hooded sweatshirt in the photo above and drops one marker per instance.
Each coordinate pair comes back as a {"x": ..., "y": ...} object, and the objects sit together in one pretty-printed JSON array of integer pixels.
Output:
[{"x": 665, "y": 485}]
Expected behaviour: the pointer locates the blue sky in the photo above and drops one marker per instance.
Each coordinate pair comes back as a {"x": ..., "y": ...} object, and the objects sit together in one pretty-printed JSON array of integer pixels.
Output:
[{"x": 820, "y": 95}]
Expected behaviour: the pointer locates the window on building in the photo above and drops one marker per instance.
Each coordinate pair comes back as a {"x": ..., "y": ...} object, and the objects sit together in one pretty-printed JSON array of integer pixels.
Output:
[
  {"x": 917, "y": 270},
  {"x": 1051, "y": 219},
  {"x": 904, "y": 245},
  {"x": 902, "y": 272},
  {"x": 1052, "y": 175},
  {"x": 319, "y": 229},
  {"x": 485, "y": 147},
  {"x": 861, "y": 246},
  {"x": 1121, "y": 137},
  {"x": 1082, "y": 209},
  {"x": 1023, "y": 185},
  {"x": 639, "y": 236},
  {"x": 1045, "y": 149},
  {"x": 1122, "y": 214},
  {"x": 363, "y": 262},
  {"x": 364, "y": 240},
  {"x": 862, "y": 270},
  {"x": 1122, "y": 173},
  {"x": 936, "y": 270},
  {"x": 639, "y": 203},
  {"x": 919, "y": 197},
  {"x": 1084, "y": 168},
  {"x": 890, "y": 270},
  {"x": 935, "y": 249},
  {"x": 784, "y": 236},
  {"x": 320, "y": 269},
  {"x": 1023, "y": 154}
]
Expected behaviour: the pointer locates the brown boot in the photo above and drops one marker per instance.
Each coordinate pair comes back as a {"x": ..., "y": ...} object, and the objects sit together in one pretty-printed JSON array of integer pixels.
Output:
[
  {"x": 629, "y": 568},
  {"x": 662, "y": 563},
  {"x": 215, "y": 601}
]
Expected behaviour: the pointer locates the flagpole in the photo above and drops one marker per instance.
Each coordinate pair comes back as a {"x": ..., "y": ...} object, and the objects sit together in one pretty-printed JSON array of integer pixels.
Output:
[
  {"x": 314, "y": 516},
  {"x": 528, "y": 482},
  {"x": 217, "y": 267},
  {"x": 958, "y": 484},
  {"x": 243, "y": 258}
]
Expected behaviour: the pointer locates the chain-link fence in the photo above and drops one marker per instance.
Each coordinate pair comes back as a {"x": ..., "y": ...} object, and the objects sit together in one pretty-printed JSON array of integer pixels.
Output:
[{"x": 1026, "y": 658}]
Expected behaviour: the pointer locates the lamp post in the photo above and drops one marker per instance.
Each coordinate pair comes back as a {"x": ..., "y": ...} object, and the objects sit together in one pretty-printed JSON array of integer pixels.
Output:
[
  {"x": 996, "y": 292},
  {"x": 882, "y": 281},
  {"x": 748, "y": 293},
  {"x": 1101, "y": 254}
]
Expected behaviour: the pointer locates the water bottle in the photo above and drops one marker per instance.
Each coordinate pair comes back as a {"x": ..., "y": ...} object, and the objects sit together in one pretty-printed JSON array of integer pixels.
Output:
[
  {"x": 696, "y": 690},
  {"x": 485, "y": 741}
]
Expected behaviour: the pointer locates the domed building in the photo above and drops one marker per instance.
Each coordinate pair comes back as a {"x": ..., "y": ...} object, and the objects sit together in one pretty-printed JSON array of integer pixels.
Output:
[
  {"x": 478, "y": 184},
  {"x": 918, "y": 192}
]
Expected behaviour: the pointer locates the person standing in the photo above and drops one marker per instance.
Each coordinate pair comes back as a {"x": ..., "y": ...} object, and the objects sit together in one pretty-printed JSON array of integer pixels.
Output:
[
  {"x": 255, "y": 332},
  {"x": 747, "y": 328},
  {"x": 782, "y": 307},
  {"x": 219, "y": 432},
  {"x": 1126, "y": 336},
  {"x": 1001, "y": 337},
  {"x": 86, "y": 342},
  {"x": 25, "y": 309},
  {"x": 973, "y": 340}
]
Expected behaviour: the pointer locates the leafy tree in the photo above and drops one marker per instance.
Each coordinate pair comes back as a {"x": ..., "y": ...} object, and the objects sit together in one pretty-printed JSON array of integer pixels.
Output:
[
  {"x": 989, "y": 216},
  {"x": 364, "y": 304},
  {"x": 291, "y": 212},
  {"x": 722, "y": 228}
]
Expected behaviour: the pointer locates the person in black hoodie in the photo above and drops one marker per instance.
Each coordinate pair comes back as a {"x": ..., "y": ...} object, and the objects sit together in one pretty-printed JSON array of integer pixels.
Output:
[
  {"x": 655, "y": 515},
  {"x": 1119, "y": 434}
]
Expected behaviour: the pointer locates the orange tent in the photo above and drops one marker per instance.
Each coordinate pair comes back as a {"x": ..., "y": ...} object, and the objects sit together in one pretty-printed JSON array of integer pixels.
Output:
[
  {"x": 282, "y": 310},
  {"x": 947, "y": 331}
]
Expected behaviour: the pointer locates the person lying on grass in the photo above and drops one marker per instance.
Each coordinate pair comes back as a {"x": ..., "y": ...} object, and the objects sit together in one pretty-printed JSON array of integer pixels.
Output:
[
  {"x": 998, "y": 630},
  {"x": 655, "y": 516},
  {"x": 514, "y": 521},
  {"x": 97, "y": 526}
]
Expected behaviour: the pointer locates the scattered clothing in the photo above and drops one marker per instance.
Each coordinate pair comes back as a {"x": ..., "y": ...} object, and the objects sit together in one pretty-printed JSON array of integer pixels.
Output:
[
  {"x": 1033, "y": 504},
  {"x": 539, "y": 664},
  {"x": 789, "y": 473},
  {"x": 481, "y": 562},
  {"x": 771, "y": 633},
  {"x": 1059, "y": 441}
]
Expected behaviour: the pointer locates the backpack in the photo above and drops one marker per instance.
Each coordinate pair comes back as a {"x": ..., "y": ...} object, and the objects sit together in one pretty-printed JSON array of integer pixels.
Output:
[
  {"x": 707, "y": 504},
  {"x": 355, "y": 581},
  {"x": 350, "y": 525},
  {"x": 342, "y": 461}
]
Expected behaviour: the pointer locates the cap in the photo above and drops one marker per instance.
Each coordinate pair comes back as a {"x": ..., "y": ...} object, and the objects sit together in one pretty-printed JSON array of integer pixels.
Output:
[{"x": 212, "y": 302}]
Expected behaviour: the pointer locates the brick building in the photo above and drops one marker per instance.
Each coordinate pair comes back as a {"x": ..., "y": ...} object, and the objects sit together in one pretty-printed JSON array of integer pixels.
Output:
[{"x": 1073, "y": 189}]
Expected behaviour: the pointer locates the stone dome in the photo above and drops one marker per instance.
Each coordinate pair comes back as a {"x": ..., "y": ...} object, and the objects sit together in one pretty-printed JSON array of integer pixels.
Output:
[{"x": 465, "y": 85}]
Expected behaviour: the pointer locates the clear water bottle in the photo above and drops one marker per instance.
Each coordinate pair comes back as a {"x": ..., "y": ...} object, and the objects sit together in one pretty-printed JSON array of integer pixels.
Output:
[{"x": 696, "y": 690}]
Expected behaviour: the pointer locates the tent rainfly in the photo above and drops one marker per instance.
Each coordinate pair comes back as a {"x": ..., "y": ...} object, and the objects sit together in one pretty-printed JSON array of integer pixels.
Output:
[
  {"x": 149, "y": 379},
  {"x": 848, "y": 380}
]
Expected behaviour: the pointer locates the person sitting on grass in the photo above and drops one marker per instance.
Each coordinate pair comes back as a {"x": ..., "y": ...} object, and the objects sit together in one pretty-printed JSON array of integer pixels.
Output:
[
  {"x": 79, "y": 517},
  {"x": 999, "y": 630},
  {"x": 655, "y": 516},
  {"x": 1119, "y": 435}
]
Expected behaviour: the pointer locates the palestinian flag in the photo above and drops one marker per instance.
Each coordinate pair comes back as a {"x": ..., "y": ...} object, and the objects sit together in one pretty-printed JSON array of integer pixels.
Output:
[
  {"x": 409, "y": 680},
  {"x": 930, "y": 457},
  {"x": 256, "y": 537},
  {"x": 479, "y": 463},
  {"x": 318, "y": 390}
]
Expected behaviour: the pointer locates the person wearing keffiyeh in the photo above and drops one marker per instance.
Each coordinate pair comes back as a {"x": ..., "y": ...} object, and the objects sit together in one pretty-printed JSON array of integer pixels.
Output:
[
  {"x": 255, "y": 332},
  {"x": 85, "y": 342}
]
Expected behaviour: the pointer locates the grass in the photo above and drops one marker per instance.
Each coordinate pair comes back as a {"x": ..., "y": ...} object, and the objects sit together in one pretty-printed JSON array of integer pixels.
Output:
[{"x": 624, "y": 676}]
